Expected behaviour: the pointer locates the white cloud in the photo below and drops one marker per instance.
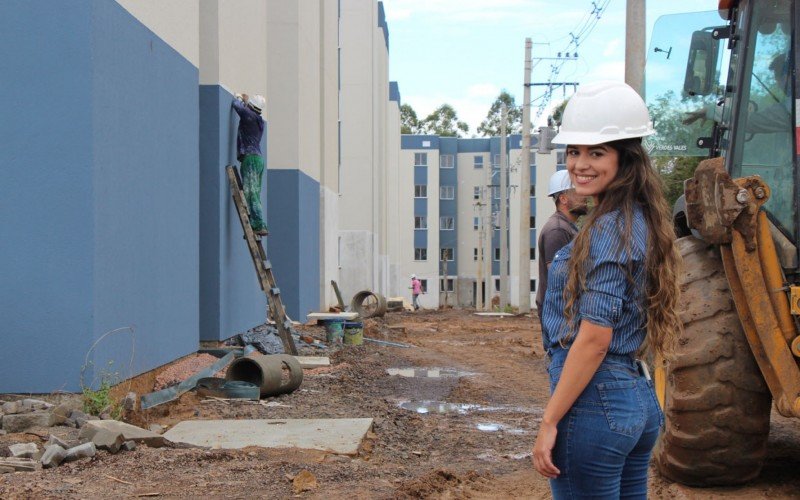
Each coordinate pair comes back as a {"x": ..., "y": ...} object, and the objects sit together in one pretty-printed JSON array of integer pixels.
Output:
[
  {"x": 480, "y": 90},
  {"x": 612, "y": 47}
]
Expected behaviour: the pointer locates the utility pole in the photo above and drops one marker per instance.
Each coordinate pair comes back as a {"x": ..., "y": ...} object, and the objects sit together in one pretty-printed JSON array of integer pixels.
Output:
[
  {"x": 635, "y": 19},
  {"x": 488, "y": 236},
  {"x": 503, "y": 215},
  {"x": 479, "y": 279},
  {"x": 524, "y": 288}
]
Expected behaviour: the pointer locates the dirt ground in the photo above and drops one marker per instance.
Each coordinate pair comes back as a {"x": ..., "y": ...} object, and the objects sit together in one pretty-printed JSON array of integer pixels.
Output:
[{"x": 465, "y": 433}]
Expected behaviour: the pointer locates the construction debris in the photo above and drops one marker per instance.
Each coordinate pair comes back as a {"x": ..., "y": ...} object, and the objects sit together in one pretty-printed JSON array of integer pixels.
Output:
[
  {"x": 53, "y": 456},
  {"x": 17, "y": 464},
  {"x": 23, "y": 450},
  {"x": 171, "y": 393},
  {"x": 311, "y": 362},
  {"x": 127, "y": 431},
  {"x": 304, "y": 481},
  {"x": 86, "y": 450},
  {"x": 368, "y": 304},
  {"x": 323, "y": 316}
]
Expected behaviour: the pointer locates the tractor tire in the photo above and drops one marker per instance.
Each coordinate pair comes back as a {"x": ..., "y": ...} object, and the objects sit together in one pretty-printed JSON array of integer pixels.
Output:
[{"x": 717, "y": 405}]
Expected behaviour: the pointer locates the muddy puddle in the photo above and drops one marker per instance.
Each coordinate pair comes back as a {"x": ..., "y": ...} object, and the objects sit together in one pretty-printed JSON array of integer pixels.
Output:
[
  {"x": 416, "y": 372},
  {"x": 498, "y": 427},
  {"x": 464, "y": 408}
]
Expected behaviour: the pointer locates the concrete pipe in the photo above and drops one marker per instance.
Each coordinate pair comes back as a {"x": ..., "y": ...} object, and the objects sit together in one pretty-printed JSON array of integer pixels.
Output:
[
  {"x": 368, "y": 304},
  {"x": 275, "y": 374}
]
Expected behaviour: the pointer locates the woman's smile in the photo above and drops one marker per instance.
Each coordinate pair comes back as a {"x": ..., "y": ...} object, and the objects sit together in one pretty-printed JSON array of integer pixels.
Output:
[{"x": 592, "y": 168}]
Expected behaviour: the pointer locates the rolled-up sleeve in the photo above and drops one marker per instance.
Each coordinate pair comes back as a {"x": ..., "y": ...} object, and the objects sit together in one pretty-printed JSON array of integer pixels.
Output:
[{"x": 601, "y": 302}]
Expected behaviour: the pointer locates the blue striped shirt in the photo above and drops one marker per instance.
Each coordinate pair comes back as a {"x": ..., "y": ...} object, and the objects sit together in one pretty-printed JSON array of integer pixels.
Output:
[{"x": 610, "y": 299}]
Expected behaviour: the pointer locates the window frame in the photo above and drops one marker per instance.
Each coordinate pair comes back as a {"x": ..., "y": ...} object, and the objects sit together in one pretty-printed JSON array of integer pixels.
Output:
[
  {"x": 452, "y": 161},
  {"x": 422, "y": 253},
  {"x": 443, "y": 252},
  {"x": 452, "y": 190},
  {"x": 476, "y": 163},
  {"x": 418, "y": 196},
  {"x": 443, "y": 226},
  {"x": 420, "y": 157},
  {"x": 423, "y": 220}
]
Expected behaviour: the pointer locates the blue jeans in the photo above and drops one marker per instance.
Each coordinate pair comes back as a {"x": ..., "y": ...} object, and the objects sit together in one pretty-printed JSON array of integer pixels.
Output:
[{"x": 604, "y": 442}]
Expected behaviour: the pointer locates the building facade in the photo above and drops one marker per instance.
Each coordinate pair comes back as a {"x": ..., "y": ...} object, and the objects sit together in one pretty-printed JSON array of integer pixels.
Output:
[
  {"x": 132, "y": 227},
  {"x": 448, "y": 220}
]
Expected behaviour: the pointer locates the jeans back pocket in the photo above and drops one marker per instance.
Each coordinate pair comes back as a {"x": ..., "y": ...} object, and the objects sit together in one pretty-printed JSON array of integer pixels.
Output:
[{"x": 623, "y": 406}]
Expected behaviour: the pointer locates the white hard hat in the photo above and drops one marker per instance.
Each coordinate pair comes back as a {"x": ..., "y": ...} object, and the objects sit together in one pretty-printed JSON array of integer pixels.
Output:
[
  {"x": 413, "y": 276},
  {"x": 257, "y": 102},
  {"x": 559, "y": 182},
  {"x": 604, "y": 112}
]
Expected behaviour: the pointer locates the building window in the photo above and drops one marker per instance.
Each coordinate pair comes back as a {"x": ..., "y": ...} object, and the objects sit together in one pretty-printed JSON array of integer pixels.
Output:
[
  {"x": 533, "y": 222},
  {"x": 533, "y": 253},
  {"x": 420, "y": 222},
  {"x": 533, "y": 285},
  {"x": 420, "y": 254},
  {"x": 496, "y": 161},
  {"x": 447, "y": 192},
  {"x": 497, "y": 254},
  {"x": 533, "y": 190},
  {"x": 420, "y": 159},
  {"x": 496, "y": 285},
  {"x": 561, "y": 157},
  {"x": 496, "y": 192},
  {"x": 424, "y": 284},
  {"x": 446, "y": 254},
  {"x": 421, "y": 191},
  {"x": 446, "y": 223},
  {"x": 475, "y": 254},
  {"x": 476, "y": 193},
  {"x": 477, "y": 161},
  {"x": 446, "y": 161},
  {"x": 447, "y": 285},
  {"x": 475, "y": 223}
]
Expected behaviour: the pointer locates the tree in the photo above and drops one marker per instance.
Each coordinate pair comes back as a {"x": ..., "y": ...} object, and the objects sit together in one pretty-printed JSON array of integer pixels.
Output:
[
  {"x": 490, "y": 127},
  {"x": 409, "y": 123},
  {"x": 674, "y": 171},
  {"x": 558, "y": 113},
  {"x": 443, "y": 121}
]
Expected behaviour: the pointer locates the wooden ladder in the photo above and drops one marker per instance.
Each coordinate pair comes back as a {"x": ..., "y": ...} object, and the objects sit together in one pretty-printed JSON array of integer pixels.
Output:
[{"x": 263, "y": 266}]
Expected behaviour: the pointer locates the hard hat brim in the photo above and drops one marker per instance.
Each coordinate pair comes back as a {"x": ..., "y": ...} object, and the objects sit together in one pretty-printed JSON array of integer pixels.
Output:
[{"x": 594, "y": 138}]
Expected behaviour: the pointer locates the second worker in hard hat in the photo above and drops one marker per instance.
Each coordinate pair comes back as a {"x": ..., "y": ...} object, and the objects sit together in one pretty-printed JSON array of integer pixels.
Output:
[
  {"x": 560, "y": 228},
  {"x": 611, "y": 294},
  {"x": 248, "y": 152}
]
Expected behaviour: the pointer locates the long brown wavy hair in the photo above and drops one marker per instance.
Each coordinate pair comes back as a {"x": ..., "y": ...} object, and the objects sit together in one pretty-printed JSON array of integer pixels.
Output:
[{"x": 636, "y": 183}]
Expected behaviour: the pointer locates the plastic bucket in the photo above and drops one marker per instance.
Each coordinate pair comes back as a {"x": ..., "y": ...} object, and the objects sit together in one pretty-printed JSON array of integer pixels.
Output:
[
  {"x": 353, "y": 333},
  {"x": 333, "y": 331}
]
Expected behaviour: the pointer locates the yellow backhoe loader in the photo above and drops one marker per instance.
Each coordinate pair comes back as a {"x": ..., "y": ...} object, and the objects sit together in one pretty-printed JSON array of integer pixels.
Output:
[{"x": 724, "y": 84}]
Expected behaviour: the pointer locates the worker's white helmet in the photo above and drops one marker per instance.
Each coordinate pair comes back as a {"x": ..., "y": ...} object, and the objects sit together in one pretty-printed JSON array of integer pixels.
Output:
[
  {"x": 257, "y": 102},
  {"x": 604, "y": 112},
  {"x": 559, "y": 182},
  {"x": 413, "y": 276}
]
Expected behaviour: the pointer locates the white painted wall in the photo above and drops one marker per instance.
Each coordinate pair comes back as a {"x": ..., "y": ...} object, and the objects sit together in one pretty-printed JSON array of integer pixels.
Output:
[
  {"x": 177, "y": 22},
  {"x": 227, "y": 57}
]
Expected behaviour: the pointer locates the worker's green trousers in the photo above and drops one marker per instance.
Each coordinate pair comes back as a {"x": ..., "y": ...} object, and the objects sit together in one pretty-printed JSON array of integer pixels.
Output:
[{"x": 252, "y": 171}]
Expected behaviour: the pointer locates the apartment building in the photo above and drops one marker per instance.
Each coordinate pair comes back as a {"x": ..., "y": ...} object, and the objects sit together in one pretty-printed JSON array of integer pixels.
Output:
[{"x": 449, "y": 209}]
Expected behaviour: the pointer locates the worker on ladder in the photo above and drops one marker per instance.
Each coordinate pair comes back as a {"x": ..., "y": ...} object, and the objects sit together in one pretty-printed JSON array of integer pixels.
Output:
[{"x": 248, "y": 151}]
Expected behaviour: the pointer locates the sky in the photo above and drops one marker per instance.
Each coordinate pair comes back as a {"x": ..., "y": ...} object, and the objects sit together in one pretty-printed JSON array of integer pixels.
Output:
[{"x": 464, "y": 52}]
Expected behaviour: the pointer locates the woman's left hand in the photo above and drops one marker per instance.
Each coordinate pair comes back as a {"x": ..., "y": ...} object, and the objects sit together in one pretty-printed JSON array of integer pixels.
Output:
[{"x": 543, "y": 451}]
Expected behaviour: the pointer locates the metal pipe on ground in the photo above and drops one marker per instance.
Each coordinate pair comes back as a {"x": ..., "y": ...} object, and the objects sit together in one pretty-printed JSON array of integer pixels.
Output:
[
  {"x": 368, "y": 304},
  {"x": 275, "y": 374}
]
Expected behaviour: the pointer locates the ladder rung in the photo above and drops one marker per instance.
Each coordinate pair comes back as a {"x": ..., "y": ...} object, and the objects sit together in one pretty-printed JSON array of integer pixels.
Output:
[
  {"x": 267, "y": 264},
  {"x": 275, "y": 291}
]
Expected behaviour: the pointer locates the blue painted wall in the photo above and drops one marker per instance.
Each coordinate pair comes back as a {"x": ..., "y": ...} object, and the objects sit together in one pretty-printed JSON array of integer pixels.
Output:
[
  {"x": 415, "y": 141},
  {"x": 293, "y": 243},
  {"x": 100, "y": 195},
  {"x": 394, "y": 92},
  {"x": 231, "y": 300}
]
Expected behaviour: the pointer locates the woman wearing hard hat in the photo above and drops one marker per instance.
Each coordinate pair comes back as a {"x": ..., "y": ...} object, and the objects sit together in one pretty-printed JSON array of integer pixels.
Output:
[{"x": 611, "y": 293}]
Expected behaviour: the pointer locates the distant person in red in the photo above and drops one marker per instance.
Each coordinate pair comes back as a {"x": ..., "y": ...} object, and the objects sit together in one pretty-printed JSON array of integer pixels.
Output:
[{"x": 416, "y": 289}]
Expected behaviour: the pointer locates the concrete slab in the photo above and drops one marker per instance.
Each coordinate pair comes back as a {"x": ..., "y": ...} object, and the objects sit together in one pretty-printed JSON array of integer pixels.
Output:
[
  {"x": 308, "y": 362},
  {"x": 336, "y": 435},
  {"x": 342, "y": 315},
  {"x": 494, "y": 314}
]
